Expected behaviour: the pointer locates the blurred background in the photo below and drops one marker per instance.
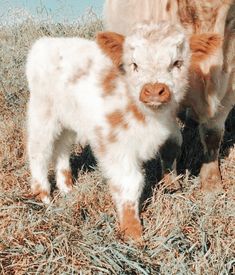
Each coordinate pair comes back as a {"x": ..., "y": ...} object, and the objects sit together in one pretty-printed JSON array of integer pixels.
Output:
[{"x": 60, "y": 11}]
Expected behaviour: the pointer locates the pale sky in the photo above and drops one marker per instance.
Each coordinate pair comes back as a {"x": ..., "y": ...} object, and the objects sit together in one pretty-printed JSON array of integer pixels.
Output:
[{"x": 56, "y": 9}]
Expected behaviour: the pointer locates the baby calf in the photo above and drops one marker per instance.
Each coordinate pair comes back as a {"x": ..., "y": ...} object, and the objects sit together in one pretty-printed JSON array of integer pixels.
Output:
[{"x": 118, "y": 94}]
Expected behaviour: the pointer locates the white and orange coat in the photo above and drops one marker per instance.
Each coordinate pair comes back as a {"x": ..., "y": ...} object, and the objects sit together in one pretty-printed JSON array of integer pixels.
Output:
[{"x": 113, "y": 94}]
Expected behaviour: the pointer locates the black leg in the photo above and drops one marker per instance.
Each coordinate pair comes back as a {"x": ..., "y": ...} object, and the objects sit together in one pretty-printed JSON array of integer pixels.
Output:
[{"x": 169, "y": 152}]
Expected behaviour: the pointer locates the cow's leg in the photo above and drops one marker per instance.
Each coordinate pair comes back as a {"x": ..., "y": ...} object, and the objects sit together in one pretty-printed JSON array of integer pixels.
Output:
[
  {"x": 62, "y": 152},
  {"x": 126, "y": 184},
  {"x": 169, "y": 152},
  {"x": 211, "y": 134},
  {"x": 40, "y": 150},
  {"x": 126, "y": 197}
]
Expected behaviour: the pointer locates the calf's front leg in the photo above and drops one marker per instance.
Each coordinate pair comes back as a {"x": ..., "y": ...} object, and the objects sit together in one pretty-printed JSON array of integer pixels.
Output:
[{"x": 126, "y": 184}]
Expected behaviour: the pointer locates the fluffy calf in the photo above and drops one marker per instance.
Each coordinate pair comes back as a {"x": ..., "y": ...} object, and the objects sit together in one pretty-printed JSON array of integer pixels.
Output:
[
  {"x": 118, "y": 94},
  {"x": 211, "y": 93}
]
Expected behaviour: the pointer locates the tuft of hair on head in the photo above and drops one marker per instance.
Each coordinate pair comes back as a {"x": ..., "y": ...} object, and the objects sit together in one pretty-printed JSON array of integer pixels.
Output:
[
  {"x": 111, "y": 44},
  {"x": 157, "y": 31},
  {"x": 204, "y": 45}
]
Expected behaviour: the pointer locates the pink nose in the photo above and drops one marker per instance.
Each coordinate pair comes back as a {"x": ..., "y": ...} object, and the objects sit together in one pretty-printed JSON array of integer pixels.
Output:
[{"x": 155, "y": 93}]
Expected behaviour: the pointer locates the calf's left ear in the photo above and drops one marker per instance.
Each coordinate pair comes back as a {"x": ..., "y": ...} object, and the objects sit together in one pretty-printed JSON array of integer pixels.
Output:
[{"x": 111, "y": 44}]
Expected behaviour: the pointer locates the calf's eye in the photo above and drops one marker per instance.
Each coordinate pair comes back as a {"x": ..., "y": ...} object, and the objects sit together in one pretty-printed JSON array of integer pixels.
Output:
[
  {"x": 134, "y": 67},
  {"x": 178, "y": 64}
]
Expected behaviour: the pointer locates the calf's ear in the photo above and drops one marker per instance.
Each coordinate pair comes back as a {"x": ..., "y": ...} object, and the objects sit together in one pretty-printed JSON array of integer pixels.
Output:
[
  {"x": 204, "y": 45},
  {"x": 111, "y": 44}
]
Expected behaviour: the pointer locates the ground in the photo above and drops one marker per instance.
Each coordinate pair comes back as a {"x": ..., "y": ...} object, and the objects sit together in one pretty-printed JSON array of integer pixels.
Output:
[{"x": 185, "y": 232}]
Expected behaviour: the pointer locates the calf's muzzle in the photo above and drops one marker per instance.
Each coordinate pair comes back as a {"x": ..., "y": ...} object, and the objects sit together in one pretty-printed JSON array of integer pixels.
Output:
[{"x": 155, "y": 93}]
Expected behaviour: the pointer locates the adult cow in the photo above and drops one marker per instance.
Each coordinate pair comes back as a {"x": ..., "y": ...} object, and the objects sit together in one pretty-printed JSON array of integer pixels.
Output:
[{"x": 211, "y": 93}]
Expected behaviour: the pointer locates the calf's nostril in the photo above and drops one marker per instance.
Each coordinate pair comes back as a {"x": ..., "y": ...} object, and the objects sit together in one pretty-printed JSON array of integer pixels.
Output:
[
  {"x": 161, "y": 92},
  {"x": 147, "y": 92}
]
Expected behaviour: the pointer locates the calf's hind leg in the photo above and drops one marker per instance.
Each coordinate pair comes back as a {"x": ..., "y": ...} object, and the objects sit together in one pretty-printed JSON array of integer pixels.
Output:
[
  {"x": 61, "y": 156},
  {"x": 40, "y": 150}
]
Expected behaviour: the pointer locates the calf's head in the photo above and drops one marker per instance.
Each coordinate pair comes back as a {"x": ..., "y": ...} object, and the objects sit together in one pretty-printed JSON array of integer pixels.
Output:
[{"x": 153, "y": 60}]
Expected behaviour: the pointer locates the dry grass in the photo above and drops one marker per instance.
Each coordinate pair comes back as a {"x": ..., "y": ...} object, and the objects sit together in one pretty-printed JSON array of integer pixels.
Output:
[{"x": 185, "y": 232}]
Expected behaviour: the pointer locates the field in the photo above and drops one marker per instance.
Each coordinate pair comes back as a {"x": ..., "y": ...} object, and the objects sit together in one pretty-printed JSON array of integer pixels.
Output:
[{"x": 186, "y": 232}]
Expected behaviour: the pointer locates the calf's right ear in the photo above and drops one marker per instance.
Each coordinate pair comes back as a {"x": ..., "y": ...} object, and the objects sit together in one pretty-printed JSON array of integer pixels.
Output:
[
  {"x": 111, "y": 44},
  {"x": 204, "y": 45}
]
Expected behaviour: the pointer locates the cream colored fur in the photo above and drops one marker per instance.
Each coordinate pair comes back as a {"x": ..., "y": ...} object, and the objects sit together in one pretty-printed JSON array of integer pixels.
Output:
[{"x": 68, "y": 103}]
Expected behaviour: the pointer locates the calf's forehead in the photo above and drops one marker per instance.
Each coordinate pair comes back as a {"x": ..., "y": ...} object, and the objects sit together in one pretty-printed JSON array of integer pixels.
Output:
[
  {"x": 164, "y": 41},
  {"x": 147, "y": 52}
]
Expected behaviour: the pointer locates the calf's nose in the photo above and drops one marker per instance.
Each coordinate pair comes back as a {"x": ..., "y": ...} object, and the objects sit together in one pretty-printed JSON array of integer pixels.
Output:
[{"x": 155, "y": 93}]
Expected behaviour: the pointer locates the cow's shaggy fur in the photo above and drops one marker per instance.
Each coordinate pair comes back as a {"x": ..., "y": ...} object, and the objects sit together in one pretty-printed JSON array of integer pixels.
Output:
[{"x": 211, "y": 93}]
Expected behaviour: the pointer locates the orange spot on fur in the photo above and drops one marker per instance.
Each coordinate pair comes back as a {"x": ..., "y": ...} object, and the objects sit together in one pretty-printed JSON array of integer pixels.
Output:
[
  {"x": 203, "y": 46},
  {"x": 111, "y": 44},
  {"x": 116, "y": 119},
  {"x": 79, "y": 74},
  {"x": 136, "y": 112},
  {"x": 130, "y": 223},
  {"x": 168, "y": 6},
  {"x": 68, "y": 178},
  {"x": 108, "y": 81},
  {"x": 112, "y": 137}
]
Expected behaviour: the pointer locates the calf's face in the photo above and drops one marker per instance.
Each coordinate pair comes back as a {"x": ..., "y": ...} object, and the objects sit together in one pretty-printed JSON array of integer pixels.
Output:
[{"x": 156, "y": 60}]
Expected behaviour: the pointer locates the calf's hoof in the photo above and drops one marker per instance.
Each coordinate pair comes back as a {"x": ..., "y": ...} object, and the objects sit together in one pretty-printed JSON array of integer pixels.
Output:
[
  {"x": 132, "y": 231},
  {"x": 65, "y": 181},
  {"x": 41, "y": 195},
  {"x": 130, "y": 224},
  {"x": 211, "y": 181}
]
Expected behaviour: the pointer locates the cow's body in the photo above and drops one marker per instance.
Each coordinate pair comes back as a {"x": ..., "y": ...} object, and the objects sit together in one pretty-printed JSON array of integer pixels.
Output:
[
  {"x": 78, "y": 89},
  {"x": 211, "y": 93}
]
